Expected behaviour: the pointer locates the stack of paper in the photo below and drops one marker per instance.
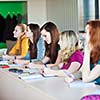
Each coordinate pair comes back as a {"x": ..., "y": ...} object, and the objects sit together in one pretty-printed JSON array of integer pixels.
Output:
[{"x": 30, "y": 74}]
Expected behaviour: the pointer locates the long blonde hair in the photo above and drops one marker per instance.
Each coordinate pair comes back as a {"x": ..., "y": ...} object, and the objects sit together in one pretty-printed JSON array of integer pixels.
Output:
[{"x": 71, "y": 44}]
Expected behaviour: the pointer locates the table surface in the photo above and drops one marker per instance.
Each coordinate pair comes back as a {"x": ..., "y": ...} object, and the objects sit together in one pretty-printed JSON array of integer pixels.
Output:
[{"x": 52, "y": 88}]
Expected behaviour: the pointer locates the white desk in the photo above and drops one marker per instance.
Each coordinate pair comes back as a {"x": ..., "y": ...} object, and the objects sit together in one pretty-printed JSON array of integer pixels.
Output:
[
  {"x": 12, "y": 88},
  {"x": 57, "y": 88}
]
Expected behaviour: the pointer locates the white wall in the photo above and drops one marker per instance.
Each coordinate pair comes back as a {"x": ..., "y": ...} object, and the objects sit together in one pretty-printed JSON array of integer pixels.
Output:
[
  {"x": 64, "y": 13},
  {"x": 37, "y": 11},
  {"x": 56, "y": 12}
]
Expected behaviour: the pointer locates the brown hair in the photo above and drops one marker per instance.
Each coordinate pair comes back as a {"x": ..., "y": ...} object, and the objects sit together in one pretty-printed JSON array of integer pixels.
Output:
[
  {"x": 94, "y": 40},
  {"x": 35, "y": 29},
  {"x": 51, "y": 49}
]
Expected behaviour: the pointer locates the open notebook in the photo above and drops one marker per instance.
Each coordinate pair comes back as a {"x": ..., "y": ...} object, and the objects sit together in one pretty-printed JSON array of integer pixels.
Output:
[{"x": 30, "y": 76}]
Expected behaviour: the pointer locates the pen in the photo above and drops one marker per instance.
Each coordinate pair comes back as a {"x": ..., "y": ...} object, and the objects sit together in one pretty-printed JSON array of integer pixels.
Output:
[
  {"x": 68, "y": 74},
  {"x": 45, "y": 65}
]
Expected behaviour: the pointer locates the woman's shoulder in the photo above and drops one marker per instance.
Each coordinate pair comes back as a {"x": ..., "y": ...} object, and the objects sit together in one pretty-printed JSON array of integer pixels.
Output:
[
  {"x": 77, "y": 56},
  {"x": 78, "y": 52},
  {"x": 24, "y": 38}
]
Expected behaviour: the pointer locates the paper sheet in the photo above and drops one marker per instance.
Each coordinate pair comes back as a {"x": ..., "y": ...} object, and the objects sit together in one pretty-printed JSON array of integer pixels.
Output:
[{"x": 80, "y": 84}]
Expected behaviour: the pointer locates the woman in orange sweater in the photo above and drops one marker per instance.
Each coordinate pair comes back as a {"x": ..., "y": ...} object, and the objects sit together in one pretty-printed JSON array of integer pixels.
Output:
[{"x": 20, "y": 49}]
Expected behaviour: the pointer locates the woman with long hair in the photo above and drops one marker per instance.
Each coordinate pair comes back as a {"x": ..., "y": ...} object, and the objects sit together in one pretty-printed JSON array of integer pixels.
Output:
[
  {"x": 20, "y": 49},
  {"x": 36, "y": 49},
  {"x": 50, "y": 34},
  {"x": 91, "y": 64},
  {"x": 70, "y": 56}
]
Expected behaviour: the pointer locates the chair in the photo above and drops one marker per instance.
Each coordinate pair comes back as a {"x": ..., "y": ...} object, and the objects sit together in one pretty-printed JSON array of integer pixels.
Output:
[{"x": 10, "y": 44}]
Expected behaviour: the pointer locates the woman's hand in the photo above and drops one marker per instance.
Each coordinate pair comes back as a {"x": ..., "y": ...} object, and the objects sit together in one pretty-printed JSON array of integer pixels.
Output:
[
  {"x": 22, "y": 62},
  {"x": 7, "y": 57},
  {"x": 48, "y": 71},
  {"x": 30, "y": 65},
  {"x": 68, "y": 79}
]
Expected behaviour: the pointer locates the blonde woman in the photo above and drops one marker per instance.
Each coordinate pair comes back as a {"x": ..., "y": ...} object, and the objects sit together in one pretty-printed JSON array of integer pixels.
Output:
[{"x": 70, "y": 57}]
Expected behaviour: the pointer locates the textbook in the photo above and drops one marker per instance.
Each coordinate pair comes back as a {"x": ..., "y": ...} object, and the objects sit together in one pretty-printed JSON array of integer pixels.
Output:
[
  {"x": 30, "y": 73},
  {"x": 27, "y": 76},
  {"x": 31, "y": 76}
]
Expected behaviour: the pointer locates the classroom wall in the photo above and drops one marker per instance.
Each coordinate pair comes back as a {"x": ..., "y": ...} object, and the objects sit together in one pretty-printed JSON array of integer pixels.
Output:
[
  {"x": 56, "y": 12},
  {"x": 63, "y": 12},
  {"x": 37, "y": 11}
]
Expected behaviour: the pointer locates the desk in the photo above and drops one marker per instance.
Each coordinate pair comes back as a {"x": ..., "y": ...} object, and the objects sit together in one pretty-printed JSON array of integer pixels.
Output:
[
  {"x": 57, "y": 88},
  {"x": 12, "y": 88}
]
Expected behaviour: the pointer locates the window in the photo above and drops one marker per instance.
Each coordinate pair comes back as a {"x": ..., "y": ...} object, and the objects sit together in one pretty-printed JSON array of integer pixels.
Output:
[{"x": 87, "y": 10}]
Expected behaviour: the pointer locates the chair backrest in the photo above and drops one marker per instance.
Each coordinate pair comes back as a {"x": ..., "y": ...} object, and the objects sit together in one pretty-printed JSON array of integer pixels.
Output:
[
  {"x": 10, "y": 44},
  {"x": 91, "y": 97}
]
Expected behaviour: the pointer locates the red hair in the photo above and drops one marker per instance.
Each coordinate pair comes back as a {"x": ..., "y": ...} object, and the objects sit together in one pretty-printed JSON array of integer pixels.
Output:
[{"x": 94, "y": 40}]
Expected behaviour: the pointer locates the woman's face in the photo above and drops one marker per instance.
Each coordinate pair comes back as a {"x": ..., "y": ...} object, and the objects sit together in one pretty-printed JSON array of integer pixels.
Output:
[
  {"x": 29, "y": 33},
  {"x": 17, "y": 32},
  {"x": 63, "y": 42},
  {"x": 46, "y": 36}
]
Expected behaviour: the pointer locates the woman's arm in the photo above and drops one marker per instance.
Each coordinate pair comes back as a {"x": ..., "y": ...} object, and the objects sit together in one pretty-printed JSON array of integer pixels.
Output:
[
  {"x": 87, "y": 74},
  {"x": 40, "y": 49},
  {"x": 74, "y": 67},
  {"x": 45, "y": 59},
  {"x": 91, "y": 75}
]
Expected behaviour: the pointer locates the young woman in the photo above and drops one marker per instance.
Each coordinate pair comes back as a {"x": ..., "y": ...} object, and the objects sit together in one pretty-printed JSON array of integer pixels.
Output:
[
  {"x": 50, "y": 34},
  {"x": 91, "y": 64},
  {"x": 20, "y": 49},
  {"x": 36, "y": 45},
  {"x": 70, "y": 57}
]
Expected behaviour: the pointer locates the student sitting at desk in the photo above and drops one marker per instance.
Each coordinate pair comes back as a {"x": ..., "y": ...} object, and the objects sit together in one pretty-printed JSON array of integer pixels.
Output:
[
  {"x": 36, "y": 45},
  {"x": 50, "y": 35},
  {"x": 91, "y": 64},
  {"x": 70, "y": 57},
  {"x": 20, "y": 49}
]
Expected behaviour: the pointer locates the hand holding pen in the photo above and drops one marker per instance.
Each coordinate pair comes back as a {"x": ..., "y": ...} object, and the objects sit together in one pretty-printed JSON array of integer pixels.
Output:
[{"x": 69, "y": 77}]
